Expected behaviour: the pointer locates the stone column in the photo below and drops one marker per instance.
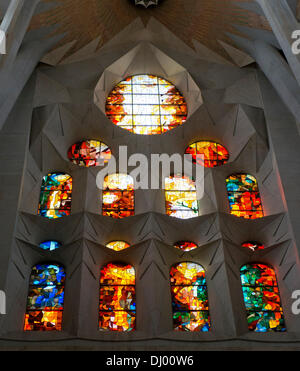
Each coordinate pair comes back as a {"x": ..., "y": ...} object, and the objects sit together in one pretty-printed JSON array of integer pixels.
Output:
[{"x": 283, "y": 23}]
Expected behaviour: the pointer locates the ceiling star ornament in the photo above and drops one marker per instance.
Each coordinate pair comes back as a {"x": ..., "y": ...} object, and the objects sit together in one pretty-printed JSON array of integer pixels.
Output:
[{"x": 146, "y": 3}]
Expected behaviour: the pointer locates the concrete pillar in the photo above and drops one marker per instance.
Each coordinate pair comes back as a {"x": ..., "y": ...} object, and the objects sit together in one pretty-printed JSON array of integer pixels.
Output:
[
  {"x": 285, "y": 141},
  {"x": 283, "y": 23},
  {"x": 10, "y": 19}
]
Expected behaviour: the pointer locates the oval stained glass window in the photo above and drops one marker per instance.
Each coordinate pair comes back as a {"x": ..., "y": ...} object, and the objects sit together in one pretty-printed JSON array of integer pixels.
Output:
[
  {"x": 185, "y": 245},
  {"x": 89, "y": 153},
  {"x": 208, "y": 154},
  {"x": 118, "y": 245},
  {"x": 49, "y": 245},
  {"x": 147, "y": 105},
  {"x": 253, "y": 245}
]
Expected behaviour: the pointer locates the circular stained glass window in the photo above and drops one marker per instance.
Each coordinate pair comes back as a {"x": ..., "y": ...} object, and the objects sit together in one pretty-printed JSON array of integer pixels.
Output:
[{"x": 147, "y": 105}]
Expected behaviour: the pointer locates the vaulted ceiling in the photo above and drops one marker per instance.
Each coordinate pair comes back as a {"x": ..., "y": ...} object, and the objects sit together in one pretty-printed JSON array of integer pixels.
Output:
[{"x": 206, "y": 21}]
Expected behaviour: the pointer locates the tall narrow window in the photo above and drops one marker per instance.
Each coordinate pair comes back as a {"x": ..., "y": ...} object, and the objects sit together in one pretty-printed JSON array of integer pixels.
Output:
[
  {"x": 45, "y": 301},
  {"x": 118, "y": 196},
  {"x": 262, "y": 299},
  {"x": 181, "y": 197},
  {"x": 117, "y": 310},
  {"x": 56, "y": 196},
  {"x": 189, "y": 298},
  {"x": 244, "y": 197},
  {"x": 208, "y": 154}
]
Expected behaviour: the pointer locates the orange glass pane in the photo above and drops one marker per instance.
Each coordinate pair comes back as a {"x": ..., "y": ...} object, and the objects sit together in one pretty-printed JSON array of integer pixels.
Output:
[{"x": 43, "y": 320}]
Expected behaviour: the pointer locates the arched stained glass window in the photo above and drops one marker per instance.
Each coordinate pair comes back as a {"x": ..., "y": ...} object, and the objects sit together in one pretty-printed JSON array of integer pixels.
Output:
[
  {"x": 50, "y": 245},
  {"x": 181, "y": 197},
  {"x": 253, "y": 245},
  {"x": 244, "y": 197},
  {"x": 89, "y": 153},
  {"x": 45, "y": 301},
  {"x": 55, "y": 196},
  {"x": 189, "y": 297},
  {"x": 262, "y": 299},
  {"x": 208, "y": 154},
  {"x": 117, "y": 310},
  {"x": 185, "y": 245},
  {"x": 118, "y": 196},
  {"x": 146, "y": 104},
  {"x": 118, "y": 245}
]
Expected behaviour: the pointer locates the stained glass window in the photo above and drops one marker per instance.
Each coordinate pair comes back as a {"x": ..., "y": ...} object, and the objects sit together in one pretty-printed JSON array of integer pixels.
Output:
[
  {"x": 118, "y": 196},
  {"x": 181, "y": 197},
  {"x": 89, "y": 153},
  {"x": 253, "y": 246},
  {"x": 244, "y": 197},
  {"x": 262, "y": 299},
  {"x": 118, "y": 245},
  {"x": 49, "y": 245},
  {"x": 146, "y": 104},
  {"x": 55, "y": 196},
  {"x": 45, "y": 301},
  {"x": 213, "y": 154},
  {"x": 117, "y": 309},
  {"x": 189, "y": 297},
  {"x": 185, "y": 245}
]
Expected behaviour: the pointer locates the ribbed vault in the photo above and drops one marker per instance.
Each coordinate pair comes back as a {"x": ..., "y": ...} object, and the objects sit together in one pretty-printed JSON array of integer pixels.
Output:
[{"x": 207, "y": 21}]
